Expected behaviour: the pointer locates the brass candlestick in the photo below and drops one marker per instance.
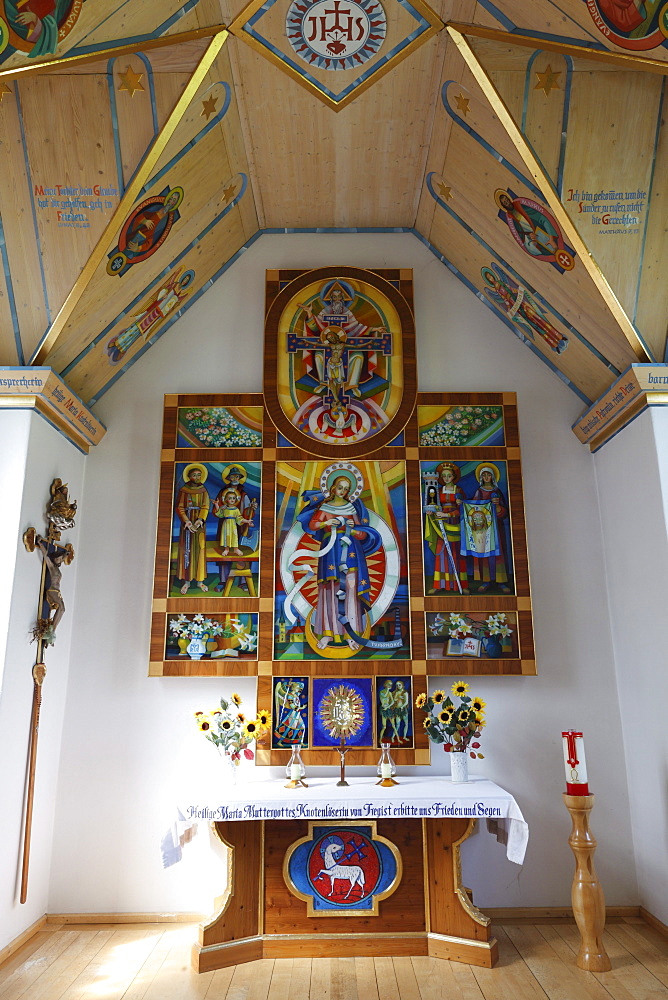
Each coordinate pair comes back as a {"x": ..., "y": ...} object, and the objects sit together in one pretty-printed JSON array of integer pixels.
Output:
[{"x": 586, "y": 895}]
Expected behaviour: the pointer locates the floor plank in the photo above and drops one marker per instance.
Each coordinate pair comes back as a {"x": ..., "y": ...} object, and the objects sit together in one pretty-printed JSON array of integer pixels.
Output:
[{"x": 152, "y": 962}]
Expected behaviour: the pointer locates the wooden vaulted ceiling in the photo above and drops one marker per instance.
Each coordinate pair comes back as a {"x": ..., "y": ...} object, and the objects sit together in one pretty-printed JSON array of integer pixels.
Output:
[{"x": 524, "y": 144}]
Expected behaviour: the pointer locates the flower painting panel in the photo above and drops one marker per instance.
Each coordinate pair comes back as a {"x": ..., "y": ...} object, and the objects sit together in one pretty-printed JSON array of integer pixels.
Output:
[
  {"x": 290, "y": 712},
  {"x": 219, "y": 427},
  {"x": 466, "y": 528},
  {"x": 212, "y": 637},
  {"x": 342, "y": 706},
  {"x": 341, "y": 573},
  {"x": 215, "y": 529},
  {"x": 394, "y": 711},
  {"x": 485, "y": 634},
  {"x": 464, "y": 425}
]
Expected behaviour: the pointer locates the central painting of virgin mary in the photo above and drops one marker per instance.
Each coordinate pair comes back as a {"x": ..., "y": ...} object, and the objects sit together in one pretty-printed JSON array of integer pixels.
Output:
[{"x": 341, "y": 574}]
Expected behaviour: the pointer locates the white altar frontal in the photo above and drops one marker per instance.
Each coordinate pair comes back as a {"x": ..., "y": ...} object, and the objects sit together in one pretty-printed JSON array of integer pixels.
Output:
[{"x": 361, "y": 869}]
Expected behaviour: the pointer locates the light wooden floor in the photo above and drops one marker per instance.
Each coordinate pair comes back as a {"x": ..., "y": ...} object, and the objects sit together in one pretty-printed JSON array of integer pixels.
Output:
[{"x": 152, "y": 962}]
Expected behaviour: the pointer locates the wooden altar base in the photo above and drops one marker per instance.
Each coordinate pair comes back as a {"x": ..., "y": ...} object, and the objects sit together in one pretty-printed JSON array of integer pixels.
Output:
[{"x": 430, "y": 913}]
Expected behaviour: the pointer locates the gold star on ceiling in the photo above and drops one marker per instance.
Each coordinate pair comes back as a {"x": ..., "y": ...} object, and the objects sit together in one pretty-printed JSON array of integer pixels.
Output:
[
  {"x": 547, "y": 81},
  {"x": 131, "y": 81},
  {"x": 209, "y": 107},
  {"x": 445, "y": 191},
  {"x": 462, "y": 103},
  {"x": 228, "y": 193},
  {"x": 4, "y": 89}
]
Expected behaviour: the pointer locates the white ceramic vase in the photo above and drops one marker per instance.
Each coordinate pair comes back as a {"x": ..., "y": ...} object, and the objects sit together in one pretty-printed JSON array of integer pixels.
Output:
[{"x": 459, "y": 767}]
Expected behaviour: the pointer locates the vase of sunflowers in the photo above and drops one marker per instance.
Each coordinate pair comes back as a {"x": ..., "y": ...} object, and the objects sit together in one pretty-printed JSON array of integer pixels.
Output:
[
  {"x": 456, "y": 726},
  {"x": 232, "y": 733}
]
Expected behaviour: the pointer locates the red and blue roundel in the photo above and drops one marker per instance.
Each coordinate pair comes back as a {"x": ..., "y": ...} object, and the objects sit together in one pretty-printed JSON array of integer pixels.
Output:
[{"x": 342, "y": 868}]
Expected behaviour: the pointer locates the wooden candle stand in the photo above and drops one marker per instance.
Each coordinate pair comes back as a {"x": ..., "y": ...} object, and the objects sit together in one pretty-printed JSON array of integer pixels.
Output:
[{"x": 586, "y": 894}]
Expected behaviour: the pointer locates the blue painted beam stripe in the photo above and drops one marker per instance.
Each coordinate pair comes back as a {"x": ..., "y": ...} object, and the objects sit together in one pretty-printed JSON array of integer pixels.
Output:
[
  {"x": 564, "y": 124},
  {"x": 657, "y": 135},
  {"x": 518, "y": 277},
  {"x": 114, "y": 125},
  {"x": 10, "y": 295},
  {"x": 32, "y": 202},
  {"x": 81, "y": 50}
]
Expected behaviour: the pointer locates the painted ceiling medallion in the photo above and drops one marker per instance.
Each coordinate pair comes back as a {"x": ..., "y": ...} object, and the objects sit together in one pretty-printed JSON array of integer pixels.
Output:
[
  {"x": 334, "y": 34},
  {"x": 361, "y": 39}
]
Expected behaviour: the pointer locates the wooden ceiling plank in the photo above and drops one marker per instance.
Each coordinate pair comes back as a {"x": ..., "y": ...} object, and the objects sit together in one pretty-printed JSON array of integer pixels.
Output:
[
  {"x": 652, "y": 304},
  {"x": 134, "y": 114},
  {"x": 61, "y": 320},
  {"x": 100, "y": 300},
  {"x": 10, "y": 338},
  {"x": 21, "y": 258},
  {"x": 244, "y": 126},
  {"x": 70, "y": 150},
  {"x": 577, "y": 363},
  {"x": 454, "y": 68},
  {"x": 473, "y": 177},
  {"x": 643, "y": 64},
  {"x": 617, "y": 113},
  {"x": 547, "y": 87},
  {"x": 113, "y": 51},
  {"x": 617, "y": 313},
  {"x": 93, "y": 374}
]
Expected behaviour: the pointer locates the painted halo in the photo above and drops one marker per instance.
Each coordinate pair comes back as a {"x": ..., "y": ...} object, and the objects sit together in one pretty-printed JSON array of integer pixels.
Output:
[
  {"x": 342, "y": 470},
  {"x": 494, "y": 469},
  {"x": 195, "y": 465}
]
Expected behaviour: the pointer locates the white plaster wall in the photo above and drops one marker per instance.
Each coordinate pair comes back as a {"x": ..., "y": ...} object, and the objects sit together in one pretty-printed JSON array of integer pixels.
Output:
[
  {"x": 43, "y": 455},
  {"x": 130, "y": 750},
  {"x": 632, "y": 473}
]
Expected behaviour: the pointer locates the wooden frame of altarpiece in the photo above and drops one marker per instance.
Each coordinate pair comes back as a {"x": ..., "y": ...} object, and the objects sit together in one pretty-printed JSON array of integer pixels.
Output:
[{"x": 427, "y": 570}]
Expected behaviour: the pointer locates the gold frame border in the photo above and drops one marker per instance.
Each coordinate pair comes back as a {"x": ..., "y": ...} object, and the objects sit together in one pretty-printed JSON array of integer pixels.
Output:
[
  {"x": 237, "y": 25},
  {"x": 377, "y": 898}
]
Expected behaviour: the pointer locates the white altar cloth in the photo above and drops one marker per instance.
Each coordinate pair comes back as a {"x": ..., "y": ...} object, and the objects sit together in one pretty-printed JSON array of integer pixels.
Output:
[{"x": 415, "y": 797}]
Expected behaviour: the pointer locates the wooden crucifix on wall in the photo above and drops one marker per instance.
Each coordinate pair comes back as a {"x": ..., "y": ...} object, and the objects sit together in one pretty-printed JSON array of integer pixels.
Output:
[{"x": 59, "y": 514}]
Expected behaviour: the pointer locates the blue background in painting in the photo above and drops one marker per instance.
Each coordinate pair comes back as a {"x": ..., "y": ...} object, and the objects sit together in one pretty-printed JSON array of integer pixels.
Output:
[
  {"x": 321, "y": 685},
  {"x": 299, "y": 863},
  {"x": 275, "y": 744},
  {"x": 213, "y": 485}
]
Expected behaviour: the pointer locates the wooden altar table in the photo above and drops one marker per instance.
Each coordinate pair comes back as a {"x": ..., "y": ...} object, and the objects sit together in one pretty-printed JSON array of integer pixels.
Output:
[{"x": 409, "y": 834}]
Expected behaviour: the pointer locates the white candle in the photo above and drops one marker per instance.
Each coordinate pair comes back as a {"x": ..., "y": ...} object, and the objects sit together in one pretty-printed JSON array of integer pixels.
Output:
[
  {"x": 295, "y": 772},
  {"x": 574, "y": 762},
  {"x": 386, "y": 770}
]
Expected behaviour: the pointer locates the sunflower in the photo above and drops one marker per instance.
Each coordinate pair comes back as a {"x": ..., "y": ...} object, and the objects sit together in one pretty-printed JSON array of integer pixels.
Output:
[
  {"x": 226, "y": 725},
  {"x": 203, "y": 723},
  {"x": 251, "y": 729},
  {"x": 241, "y": 717},
  {"x": 427, "y": 722},
  {"x": 420, "y": 700},
  {"x": 445, "y": 716},
  {"x": 464, "y": 716},
  {"x": 438, "y": 697},
  {"x": 198, "y": 715},
  {"x": 477, "y": 704},
  {"x": 479, "y": 720},
  {"x": 236, "y": 699},
  {"x": 460, "y": 688},
  {"x": 264, "y": 718}
]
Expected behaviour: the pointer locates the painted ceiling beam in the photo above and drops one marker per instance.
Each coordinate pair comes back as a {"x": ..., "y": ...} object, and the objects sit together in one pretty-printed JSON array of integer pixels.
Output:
[
  {"x": 143, "y": 174},
  {"x": 47, "y": 66},
  {"x": 544, "y": 183},
  {"x": 623, "y": 60}
]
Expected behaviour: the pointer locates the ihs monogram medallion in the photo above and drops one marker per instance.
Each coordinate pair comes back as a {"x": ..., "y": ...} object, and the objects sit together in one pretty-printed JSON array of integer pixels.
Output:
[{"x": 334, "y": 34}]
